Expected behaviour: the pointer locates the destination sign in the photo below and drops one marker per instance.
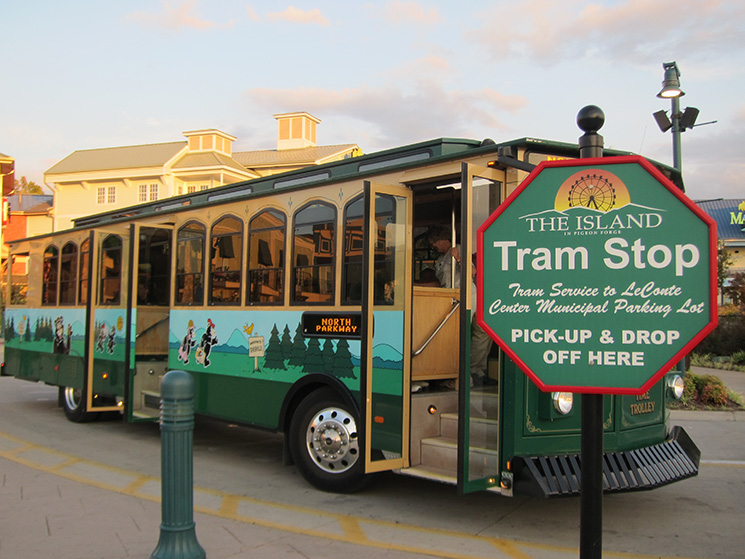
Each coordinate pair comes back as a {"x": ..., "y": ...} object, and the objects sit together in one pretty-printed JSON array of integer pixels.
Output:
[{"x": 332, "y": 325}]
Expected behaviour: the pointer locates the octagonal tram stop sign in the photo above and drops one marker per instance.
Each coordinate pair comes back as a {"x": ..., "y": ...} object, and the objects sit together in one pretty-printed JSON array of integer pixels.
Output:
[{"x": 597, "y": 275}]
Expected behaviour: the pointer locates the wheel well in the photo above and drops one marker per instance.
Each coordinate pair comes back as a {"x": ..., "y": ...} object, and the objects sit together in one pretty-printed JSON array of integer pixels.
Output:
[{"x": 307, "y": 385}]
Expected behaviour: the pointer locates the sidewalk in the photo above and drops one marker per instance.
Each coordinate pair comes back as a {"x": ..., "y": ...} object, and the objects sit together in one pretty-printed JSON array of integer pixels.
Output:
[
  {"x": 56, "y": 506},
  {"x": 46, "y": 516},
  {"x": 734, "y": 380}
]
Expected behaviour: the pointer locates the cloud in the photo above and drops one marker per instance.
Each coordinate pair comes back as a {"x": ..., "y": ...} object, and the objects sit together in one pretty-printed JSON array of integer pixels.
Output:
[
  {"x": 635, "y": 30},
  {"x": 252, "y": 15},
  {"x": 713, "y": 166},
  {"x": 176, "y": 18},
  {"x": 391, "y": 116},
  {"x": 296, "y": 15},
  {"x": 397, "y": 12}
]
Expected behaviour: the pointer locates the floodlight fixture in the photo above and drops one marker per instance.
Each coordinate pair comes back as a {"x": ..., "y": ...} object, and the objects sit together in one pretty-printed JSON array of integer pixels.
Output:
[
  {"x": 688, "y": 118},
  {"x": 662, "y": 121},
  {"x": 671, "y": 83}
]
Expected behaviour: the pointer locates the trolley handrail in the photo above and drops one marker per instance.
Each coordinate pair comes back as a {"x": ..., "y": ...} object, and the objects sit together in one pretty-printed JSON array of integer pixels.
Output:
[
  {"x": 454, "y": 308},
  {"x": 153, "y": 325}
]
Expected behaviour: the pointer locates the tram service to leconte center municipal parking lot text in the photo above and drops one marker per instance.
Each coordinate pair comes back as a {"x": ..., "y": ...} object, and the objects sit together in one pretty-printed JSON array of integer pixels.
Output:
[{"x": 591, "y": 274}]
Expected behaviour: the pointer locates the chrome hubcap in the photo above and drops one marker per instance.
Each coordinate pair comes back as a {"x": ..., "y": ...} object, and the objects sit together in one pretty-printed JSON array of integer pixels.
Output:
[
  {"x": 332, "y": 440},
  {"x": 72, "y": 398}
]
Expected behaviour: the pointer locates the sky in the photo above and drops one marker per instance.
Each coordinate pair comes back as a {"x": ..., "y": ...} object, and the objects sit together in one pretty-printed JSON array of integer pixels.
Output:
[{"x": 99, "y": 73}]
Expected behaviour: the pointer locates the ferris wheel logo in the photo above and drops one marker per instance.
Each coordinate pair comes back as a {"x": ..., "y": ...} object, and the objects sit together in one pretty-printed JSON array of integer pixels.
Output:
[{"x": 594, "y": 189}]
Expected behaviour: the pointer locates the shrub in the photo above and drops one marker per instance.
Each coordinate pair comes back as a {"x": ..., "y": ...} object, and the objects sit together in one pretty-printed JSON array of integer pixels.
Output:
[
  {"x": 727, "y": 338},
  {"x": 706, "y": 390},
  {"x": 714, "y": 394},
  {"x": 738, "y": 358}
]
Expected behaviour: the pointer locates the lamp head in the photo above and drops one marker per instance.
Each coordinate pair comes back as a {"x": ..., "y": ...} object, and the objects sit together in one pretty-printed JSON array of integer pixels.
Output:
[{"x": 671, "y": 83}]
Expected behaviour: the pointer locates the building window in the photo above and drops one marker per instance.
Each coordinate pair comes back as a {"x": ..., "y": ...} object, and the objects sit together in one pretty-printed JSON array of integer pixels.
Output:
[
  {"x": 148, "y": 192},
  {"x": 106, "y": 195}
]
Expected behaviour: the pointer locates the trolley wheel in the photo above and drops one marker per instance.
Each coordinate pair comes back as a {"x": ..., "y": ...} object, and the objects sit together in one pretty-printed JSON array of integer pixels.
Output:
[
  {"x": 324, "y": 444},
  {"x": 74, "y": 405}
]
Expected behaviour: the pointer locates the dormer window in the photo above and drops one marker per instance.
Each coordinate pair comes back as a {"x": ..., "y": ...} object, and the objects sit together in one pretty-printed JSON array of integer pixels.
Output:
[
  {"x": 296, "y": 130},
  {"x": 210, "y": 140}
]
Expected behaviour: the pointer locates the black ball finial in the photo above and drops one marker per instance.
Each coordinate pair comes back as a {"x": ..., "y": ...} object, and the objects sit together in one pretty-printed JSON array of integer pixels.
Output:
[{"x": 590, "y": 118}]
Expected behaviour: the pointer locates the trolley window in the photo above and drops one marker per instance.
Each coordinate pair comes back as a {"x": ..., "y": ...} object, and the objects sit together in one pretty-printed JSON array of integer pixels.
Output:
[
  {"x": 266, "y": 258},
  {"x": 313, "y": 259},
  {"x": 110, "y": 288},
  {"x": 51, "y": 272},
  {"x": 190, "y": 264},
  {"x": 351, "y": 271},
  {"x": 225, "y": 267},
  {"x": 84, "y": 262},
  {"x": 384, "y": 267},
  {"x": 68, "y": 274},
  {"x": 18, "y": 278},
  {"x": 154, "y": 267}
]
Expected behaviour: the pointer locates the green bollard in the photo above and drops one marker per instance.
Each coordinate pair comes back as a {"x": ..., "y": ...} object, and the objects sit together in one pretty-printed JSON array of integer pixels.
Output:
[{"x": 178, "y": 539}]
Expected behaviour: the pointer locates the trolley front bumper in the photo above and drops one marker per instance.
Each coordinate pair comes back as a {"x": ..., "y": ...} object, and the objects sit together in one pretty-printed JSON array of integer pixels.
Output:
[{"x": 632, "y": 470}]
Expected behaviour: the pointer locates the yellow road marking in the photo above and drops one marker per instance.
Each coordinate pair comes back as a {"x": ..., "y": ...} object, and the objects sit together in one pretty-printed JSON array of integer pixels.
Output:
[{"x": 344, "y": 528}]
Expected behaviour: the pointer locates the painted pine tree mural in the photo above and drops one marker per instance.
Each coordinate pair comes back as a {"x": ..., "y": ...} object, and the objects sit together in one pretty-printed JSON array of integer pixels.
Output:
[
  {"x": 343, "y": 367},
  {"x": 297, "y": 356},
  {"x": 286, "y": 343},
  {"x": 273, "y": 357},
  {"x": 313, "y": 357},
  {"x": 328, "y": 353}
]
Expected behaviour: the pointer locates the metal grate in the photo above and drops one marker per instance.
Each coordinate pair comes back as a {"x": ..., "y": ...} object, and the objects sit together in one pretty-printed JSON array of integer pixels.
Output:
[{"x": 633, "y": 470}]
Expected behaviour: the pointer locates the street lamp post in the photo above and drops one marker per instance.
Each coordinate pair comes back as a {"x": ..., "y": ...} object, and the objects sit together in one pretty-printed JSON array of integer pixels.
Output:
[
  {"x": 679, "y": 122},
  {"x": 671, "y": 90}
]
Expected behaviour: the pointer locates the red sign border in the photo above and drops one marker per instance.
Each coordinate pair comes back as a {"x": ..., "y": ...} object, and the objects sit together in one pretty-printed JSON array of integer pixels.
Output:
[{"x": 665, "y": 182}]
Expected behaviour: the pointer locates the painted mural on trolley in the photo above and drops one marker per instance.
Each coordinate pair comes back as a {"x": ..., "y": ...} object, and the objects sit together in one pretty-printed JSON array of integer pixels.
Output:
[
  {"x": 272, "y": 345},
  {"x": 262, "y": 344},
  {"x": 46, "y": 330}
]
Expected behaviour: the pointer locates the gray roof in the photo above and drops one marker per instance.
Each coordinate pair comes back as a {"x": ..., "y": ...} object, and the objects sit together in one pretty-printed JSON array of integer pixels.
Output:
[
  {"x": 725, "y": 212},
  {"x": 207, "y": 159},
  {"x": 127, "y": 157},
  {"x": 300, "y": 156},
  {"x": 30, "y": 203}
]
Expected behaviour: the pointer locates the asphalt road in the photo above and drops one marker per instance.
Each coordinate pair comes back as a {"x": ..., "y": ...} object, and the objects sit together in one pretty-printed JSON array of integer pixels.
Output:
[{"x": 696, "y": 518}]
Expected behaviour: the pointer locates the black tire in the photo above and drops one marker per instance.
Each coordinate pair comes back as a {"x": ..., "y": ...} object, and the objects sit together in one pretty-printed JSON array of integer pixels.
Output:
[
  {"x": 335, "y": 461},
  {"x": 74, "y": 405}
]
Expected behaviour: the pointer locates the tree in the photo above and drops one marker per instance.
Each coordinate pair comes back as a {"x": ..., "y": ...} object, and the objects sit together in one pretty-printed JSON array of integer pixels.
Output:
[
  {"x": 27, "y": 187},
  {"x": 724, "y": 262},
  {"x": 736, "y": 289}
]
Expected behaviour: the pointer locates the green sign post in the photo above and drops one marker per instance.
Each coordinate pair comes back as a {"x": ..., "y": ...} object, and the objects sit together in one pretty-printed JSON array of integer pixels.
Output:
[{"x": 597, "y": 275}]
